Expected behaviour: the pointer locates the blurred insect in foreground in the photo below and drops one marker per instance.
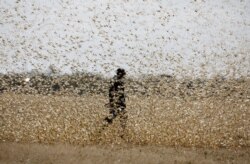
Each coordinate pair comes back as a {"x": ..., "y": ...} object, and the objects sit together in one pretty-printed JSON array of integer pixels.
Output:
[{"x": 117, "y": 104}]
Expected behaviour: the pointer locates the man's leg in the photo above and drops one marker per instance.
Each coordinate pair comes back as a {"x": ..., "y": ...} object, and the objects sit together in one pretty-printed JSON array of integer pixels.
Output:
[
  {"x": 113, "y": 114},
  {"x": 123, "y": 118},
  {"x": 123, "y": 121}
]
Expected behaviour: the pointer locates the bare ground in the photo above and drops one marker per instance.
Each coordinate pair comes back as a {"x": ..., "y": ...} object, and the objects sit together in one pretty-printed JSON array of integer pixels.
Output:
[
  {"x": 66, "y": 129},
  {"x": 15, "y": 153},
  {"x": 212, "y": 122}
]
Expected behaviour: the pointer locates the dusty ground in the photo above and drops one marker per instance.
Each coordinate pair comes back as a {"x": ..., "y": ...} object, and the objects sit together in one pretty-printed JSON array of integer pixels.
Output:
[
  {"x": 58, "y": 153},
  {"x": 153, "y": 120},
  {"x": 66, "y": 129}
]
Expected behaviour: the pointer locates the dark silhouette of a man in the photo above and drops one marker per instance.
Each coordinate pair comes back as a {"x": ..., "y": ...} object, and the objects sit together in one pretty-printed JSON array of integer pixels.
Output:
[{"x": 117, "y": 104}]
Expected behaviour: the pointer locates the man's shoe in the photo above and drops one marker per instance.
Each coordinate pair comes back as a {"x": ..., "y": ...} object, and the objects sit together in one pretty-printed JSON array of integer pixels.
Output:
[{"x": 109, "y": 120}]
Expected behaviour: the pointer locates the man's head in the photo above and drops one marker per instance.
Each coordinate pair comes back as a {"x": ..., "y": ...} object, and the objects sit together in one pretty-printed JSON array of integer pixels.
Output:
[{"x": 120, "y": 73}]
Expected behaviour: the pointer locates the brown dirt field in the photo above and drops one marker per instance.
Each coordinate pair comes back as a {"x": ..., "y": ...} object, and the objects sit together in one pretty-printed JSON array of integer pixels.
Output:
[
  {"x": 152, "y": 120},
  {"x": 66, "y": 129},
  {"x": 14, "y": 153}
]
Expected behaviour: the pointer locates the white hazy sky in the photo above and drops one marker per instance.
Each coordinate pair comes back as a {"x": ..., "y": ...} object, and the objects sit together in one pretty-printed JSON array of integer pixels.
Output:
[{"x": 176, "y": 37}]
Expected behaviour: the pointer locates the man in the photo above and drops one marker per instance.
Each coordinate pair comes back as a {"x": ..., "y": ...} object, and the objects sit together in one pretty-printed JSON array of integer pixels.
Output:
[{"x": 117, "y": 103}]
